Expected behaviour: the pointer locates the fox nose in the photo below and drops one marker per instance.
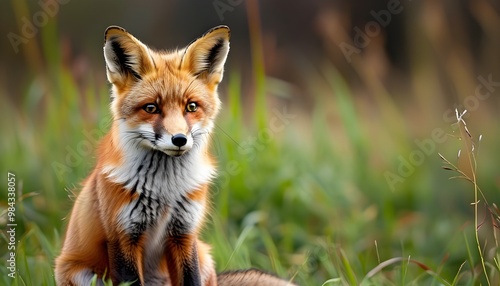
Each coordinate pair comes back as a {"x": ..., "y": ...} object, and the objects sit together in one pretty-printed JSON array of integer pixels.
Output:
[{"x": 179, "y": 140}]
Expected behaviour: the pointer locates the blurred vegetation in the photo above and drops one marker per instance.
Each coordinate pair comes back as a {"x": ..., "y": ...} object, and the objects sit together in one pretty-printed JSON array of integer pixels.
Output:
[{"x": 310, "y": 200}]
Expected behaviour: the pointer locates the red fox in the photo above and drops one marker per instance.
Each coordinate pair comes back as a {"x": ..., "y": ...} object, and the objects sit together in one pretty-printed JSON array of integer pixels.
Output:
[{"x": 139, "y": 213}]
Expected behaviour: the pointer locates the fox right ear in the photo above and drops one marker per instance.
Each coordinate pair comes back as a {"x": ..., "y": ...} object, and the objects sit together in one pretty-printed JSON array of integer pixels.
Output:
[
  {"x": 205, "y": 57},
  {"x": 126, "y": 57}
]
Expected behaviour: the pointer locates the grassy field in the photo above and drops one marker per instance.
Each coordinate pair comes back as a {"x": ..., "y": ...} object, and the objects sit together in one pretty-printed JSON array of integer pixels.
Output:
[{"x": 306, "y": 195}]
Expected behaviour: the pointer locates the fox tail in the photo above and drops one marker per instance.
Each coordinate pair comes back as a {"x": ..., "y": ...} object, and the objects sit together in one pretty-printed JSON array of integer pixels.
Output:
[{"x": 250, "y": 277}]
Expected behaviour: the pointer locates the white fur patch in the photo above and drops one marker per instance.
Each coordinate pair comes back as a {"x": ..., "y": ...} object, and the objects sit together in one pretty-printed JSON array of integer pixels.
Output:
[{"x": 84, "y": 277}]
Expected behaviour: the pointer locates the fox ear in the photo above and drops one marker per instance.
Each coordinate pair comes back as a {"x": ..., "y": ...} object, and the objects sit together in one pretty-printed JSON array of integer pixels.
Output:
[
  {"x": 126, "y": 57},
  {"x": 205, "y": 57}
]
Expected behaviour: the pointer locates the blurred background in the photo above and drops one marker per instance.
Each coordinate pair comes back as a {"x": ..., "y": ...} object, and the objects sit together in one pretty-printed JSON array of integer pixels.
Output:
[{"x": 334, "y": 116}]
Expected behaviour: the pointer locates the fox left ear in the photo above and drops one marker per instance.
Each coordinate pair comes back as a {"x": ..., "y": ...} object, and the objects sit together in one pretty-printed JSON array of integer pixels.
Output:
[
  {"x": 205, "y": 57},
  {"x": 126, "y": 57}
]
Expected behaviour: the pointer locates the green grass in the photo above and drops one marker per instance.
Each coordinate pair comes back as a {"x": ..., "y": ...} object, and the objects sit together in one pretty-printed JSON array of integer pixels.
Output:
[{"x": 308, "y": 201}]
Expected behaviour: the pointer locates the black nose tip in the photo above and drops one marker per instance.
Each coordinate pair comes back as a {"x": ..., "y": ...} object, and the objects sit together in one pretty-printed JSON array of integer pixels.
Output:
[{"x": 179, "y": 140}]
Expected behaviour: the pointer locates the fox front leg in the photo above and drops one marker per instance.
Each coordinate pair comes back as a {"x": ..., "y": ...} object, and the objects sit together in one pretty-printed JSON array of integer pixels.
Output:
[{"x": 182, "y": 260}]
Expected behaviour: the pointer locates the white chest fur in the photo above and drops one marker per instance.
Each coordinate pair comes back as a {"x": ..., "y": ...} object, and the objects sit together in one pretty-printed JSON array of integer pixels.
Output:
[{"x": 162, "y": 184}]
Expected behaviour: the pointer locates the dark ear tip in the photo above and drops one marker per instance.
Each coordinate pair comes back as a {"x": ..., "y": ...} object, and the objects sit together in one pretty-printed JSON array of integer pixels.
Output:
[
  {"x": 220, "y": 28},
  {"x": 113, "y": 30}
]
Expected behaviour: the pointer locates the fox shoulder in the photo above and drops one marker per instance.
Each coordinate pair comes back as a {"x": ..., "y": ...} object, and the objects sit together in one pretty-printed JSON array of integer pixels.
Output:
[{"x": 250, "y": 277}]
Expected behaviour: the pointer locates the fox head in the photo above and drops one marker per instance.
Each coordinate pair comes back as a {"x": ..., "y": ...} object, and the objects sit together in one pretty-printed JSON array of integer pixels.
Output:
[{"x": 165, "y": 100}]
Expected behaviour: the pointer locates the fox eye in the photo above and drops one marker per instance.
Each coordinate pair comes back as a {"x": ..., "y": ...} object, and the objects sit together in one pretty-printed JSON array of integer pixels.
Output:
[
  {"x": 151, "y": 108},
  {"x": 191, "y": 107}
]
